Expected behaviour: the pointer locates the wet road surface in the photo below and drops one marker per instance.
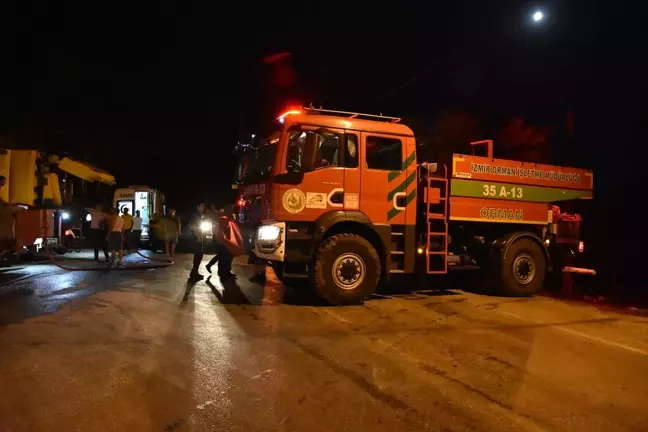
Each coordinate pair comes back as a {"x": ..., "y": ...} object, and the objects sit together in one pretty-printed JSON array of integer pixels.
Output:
[{"x": 144, "y": 351}]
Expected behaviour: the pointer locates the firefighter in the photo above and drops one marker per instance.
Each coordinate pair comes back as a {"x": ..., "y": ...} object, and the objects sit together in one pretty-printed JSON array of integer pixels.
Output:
[{"x": 224, "y": 238}]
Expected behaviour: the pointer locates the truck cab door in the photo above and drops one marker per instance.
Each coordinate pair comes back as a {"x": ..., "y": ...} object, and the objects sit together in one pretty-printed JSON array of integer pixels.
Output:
[
  {"x": 306, "y": 196},
  {"x": 384, "y": 190}
]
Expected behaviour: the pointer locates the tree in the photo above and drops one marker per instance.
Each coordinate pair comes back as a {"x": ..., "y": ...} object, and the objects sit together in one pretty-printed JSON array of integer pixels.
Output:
[
  {"x": 451, "y": 132},
  {"x": 519, "y": 141}
]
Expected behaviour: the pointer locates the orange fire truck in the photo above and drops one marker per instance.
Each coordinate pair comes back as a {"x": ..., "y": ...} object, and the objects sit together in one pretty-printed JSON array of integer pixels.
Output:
[{"x": 343, "y": 202}]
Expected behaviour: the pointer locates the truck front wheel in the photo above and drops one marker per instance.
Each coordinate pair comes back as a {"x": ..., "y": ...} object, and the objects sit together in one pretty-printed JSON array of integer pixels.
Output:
[
  {"x": 347, "y": 270},
  {"x": 522, "y": 270}
]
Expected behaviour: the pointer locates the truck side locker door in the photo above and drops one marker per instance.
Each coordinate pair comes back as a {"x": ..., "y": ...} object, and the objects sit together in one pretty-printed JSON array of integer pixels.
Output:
[
  {"x": 383, "y": 191},
  {"x": 411, "y": 190}
]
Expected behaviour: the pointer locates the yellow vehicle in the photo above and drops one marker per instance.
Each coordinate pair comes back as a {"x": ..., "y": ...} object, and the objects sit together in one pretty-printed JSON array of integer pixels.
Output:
[{"x": 39, "y": 184}]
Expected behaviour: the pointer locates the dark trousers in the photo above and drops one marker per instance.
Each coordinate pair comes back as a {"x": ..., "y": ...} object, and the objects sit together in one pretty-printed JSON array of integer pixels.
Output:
[
  {"x": 136, "y": 235},
  {"x": 98, "y": 238},
  {"x": 127, "y": 239},
  {"x": 198, "y": 256},
  {"x": 214, "y": 259},
  {"x": 225, "y": 265},
  {"x": 224, "y": 258},
  {"x": 156, "y": 243}
]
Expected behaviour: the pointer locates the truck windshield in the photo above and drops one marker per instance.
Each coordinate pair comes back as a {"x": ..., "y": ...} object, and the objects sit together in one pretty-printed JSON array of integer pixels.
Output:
[{"x": 256, "y": 165}]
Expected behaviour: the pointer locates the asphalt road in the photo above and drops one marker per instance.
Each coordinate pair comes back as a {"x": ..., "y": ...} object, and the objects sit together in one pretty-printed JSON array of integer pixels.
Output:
[{"x": 144, "y": 351}]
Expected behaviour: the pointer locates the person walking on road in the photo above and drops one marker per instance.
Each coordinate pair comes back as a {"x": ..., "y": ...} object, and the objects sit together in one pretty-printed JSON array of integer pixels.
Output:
[
  {"x": 223, "y": 255},
  {"x": 115, "y": 237},
  {"x": 98, "y": 231},
  {"x": 173, "y": 226},
  {"x": 136, "y": 232},
  {"x": 197, "y": 242}
]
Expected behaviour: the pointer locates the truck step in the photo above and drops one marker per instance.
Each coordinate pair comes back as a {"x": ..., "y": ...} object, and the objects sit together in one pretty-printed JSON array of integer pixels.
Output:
[
  {"x": 463, "y": 267},
  {"x": 438, "y": 253},
  {"x": 397, "y": 234},
  {"x": 437, "y": 234},
  {"x": 295, "y": 275},
  {"x": 437, "y": 216},
  {"x": 397, "y": 252}
]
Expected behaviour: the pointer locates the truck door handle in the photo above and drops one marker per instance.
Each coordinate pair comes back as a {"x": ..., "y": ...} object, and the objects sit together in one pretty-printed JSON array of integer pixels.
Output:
[
  {"x": 399, "y": 200},
  {"x": 335, "y": 198}
]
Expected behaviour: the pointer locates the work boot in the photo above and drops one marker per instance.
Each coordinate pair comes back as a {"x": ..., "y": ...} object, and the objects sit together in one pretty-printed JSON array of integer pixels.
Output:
[
  {"x": 227, "y": 276},
  {"x": 196, "y": 276}
]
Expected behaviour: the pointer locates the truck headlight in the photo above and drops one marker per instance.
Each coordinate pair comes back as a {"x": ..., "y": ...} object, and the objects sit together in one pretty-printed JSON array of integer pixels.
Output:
[
  {"x": 268, "y": 233},
  {"x": 205, "y": 226}
]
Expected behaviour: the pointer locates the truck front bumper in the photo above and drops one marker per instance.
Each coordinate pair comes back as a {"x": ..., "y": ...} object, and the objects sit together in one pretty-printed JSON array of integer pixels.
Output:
[{"x": 579, "y": 270}]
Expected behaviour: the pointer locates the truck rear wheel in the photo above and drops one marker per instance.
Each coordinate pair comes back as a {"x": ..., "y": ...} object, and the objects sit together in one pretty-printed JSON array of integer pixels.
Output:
[
  {"x": 522, "y": 271},
  {"x": 347, "y": 270}
]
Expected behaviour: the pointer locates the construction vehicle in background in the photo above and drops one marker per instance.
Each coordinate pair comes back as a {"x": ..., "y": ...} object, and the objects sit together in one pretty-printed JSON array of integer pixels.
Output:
[
  {"x": 45, "y": 188},
  {"x": 344, "y": 203}
]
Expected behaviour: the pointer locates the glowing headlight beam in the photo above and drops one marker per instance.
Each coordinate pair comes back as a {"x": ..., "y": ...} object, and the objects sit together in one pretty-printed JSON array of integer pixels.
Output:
[{"x": 268, "y": 233}]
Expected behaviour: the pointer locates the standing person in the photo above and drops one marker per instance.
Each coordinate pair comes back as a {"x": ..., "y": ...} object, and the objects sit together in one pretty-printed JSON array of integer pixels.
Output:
[
  {"x": 136, "y": 233},
  {"x": 128, "y": 225},
  {"x": 115, "y": 237},
  {"x": 155, "y": 232},
  {"x": 223, "y": 255},
  {"x": 98, "y": 231},
  {"x": 210, "y": 212},
  {"x": 197, "y": 242},
  {"x": 173, "y": 226}
]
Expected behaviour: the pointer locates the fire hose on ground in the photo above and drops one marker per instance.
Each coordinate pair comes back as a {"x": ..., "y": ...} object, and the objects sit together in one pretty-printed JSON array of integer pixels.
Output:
[{"x": 163, "y": 262}]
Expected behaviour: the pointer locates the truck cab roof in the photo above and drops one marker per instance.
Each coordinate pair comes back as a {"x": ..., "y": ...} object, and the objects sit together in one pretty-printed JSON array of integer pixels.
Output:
[{"x": 349, "y": 121}]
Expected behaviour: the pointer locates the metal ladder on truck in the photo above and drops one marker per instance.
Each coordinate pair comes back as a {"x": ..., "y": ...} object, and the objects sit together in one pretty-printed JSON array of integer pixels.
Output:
[{"x": 436, "y": 209}]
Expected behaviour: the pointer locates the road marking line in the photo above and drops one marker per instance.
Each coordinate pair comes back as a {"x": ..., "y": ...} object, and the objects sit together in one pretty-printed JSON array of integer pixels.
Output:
[{"x": 583, "y": 335}]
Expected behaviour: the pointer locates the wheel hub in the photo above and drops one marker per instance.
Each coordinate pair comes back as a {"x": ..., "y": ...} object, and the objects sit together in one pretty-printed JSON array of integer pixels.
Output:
[
  {"x": 524, "y": 269},
  {"x": 348, "y": 271}
]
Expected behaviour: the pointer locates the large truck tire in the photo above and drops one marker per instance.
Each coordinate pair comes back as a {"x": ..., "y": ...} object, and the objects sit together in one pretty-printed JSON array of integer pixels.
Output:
[
  {"x": 522, "y": 272},
  {"x": 347, "y": 270}
]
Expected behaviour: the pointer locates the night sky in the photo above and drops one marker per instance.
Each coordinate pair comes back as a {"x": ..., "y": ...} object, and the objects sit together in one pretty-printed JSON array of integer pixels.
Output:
[{"x": 159, "y": 93}]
